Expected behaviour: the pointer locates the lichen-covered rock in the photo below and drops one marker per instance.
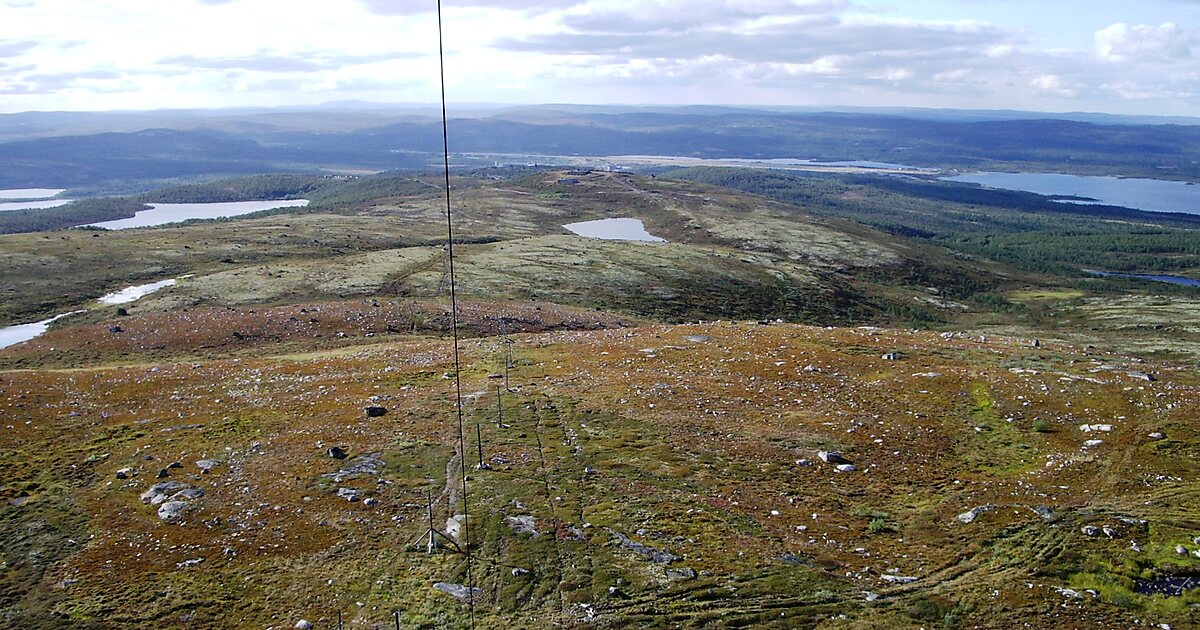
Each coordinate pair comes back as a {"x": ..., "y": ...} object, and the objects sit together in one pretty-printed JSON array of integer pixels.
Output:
[
  {"x": 159, "y": 492},
  {"x": 460, "y": 592},
  {"x": 172, "y": 511}
]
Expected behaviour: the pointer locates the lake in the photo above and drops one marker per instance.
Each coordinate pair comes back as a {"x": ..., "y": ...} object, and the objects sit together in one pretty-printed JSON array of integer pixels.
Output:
[
  {"x": 33, "y": 205},
  {"x": 1187, "y": 282},
  {"x": 614, "y": 230},
  {"x": 31, "y": 193},
  {"x": 1154, "y": 195},
  {"x": 164, "y": 213}
]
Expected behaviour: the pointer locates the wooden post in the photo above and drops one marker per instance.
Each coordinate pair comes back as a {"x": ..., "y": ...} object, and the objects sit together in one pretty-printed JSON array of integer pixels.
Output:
[
  {"x": 432, "y": 541},
  {"x": 397, "y": 614},
  {"x": 340, "y": 626},
  {"x": 508, "y": 361},
  {"x": 479, "y": 444},
  {"x": 499, "y": 409}
]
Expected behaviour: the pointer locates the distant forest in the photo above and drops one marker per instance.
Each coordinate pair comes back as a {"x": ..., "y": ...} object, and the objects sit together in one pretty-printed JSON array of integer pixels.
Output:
[{"x": 264, "y": 144}]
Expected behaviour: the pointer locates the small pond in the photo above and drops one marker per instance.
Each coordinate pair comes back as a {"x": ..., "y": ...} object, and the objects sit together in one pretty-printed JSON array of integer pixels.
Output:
[
  {"x": 614, "y": 230},
  {"x": 12, "y": 335},
  {"x": 130, "y": 294}
]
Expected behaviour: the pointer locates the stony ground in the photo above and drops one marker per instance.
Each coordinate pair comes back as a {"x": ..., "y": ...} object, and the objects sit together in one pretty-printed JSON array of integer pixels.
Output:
[{"x": 648, "y": 476}]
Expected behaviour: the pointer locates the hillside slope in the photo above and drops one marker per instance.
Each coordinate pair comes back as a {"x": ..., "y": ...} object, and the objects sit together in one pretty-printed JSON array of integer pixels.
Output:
[
  {"x": 730, "y": 255},
  {"x": 652, "y": 476}
]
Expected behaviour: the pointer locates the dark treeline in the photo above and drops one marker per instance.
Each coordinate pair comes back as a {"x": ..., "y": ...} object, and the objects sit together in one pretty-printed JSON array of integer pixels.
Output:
[{"x": 82, "y": 212}]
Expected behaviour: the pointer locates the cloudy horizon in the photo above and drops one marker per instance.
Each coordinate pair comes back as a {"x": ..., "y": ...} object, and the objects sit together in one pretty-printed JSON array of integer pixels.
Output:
[{"x": 1113, "y": 57}]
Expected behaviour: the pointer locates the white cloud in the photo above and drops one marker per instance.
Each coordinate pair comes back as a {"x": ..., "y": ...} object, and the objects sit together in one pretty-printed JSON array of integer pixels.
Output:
[
  {"x": 412, "y": 7},
  {"x": 194, "y": 53},
  {"x": 1166, "y": 42},
  {"x": 1053, "y": 85}
]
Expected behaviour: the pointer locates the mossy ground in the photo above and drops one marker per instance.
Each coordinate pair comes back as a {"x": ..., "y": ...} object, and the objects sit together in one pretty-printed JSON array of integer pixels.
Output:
[{"x": 684, "y": 438}]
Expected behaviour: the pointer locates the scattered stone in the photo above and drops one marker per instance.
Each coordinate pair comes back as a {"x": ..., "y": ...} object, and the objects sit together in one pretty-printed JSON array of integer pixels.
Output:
[
  {"x": 832, "y": 457},
  {"x": 124, "y": 473},
  {"x": 1043, "y": 511},
  {"x": 616, "y": 593},
  {"x": 116, "y": 329},
  {"x": 172, "y": 511},
  {"x": 518, "y": 572},
  {"x": 1090, "y": 530},
  {"x": 584, "y": 613},
  {"x": 522, "y": 525},
  {"x": 898, "y": 579},
  {"x": 698, "y": 338},
  {"x": 804, "y": 462},
  {"x": 1091, "y": 443},
  {"x": 1111, "y": 532},
  {"x": 791, "y": 558},
  {"x": 970, "y": 515},
  {"x": 206, "y": 465},
  {"x": 370, "y": 501},
  {"x": 159, "y": 492},
  {"x": 1141, "y": 375},
  {"x": 681, "y": 573},
  {"x": 376, "y": 412},
  {"x": 361, "y": 466},
  {"x": 303, "y": 624},
  {"x": 891, "y": 356},
  {"x": 1088, "y": 428},
  {"x": 1067, "y": 592},
  {"x": 1157, "y": 436},
  {"x": 175, "y": 465},
  {"x": 188, "y": 563},
  {"x": 462, "y": 593},
  {"x": 162, "y": 474},
  {"x": 349, "y": 494},
  {"x": 654, "y": 555},
  {"x": 337, "y": 452},
  {"x": 1181, "y": 550},
  {"x": 871, "y": 596},
  {"x": 845, "y": 468}
]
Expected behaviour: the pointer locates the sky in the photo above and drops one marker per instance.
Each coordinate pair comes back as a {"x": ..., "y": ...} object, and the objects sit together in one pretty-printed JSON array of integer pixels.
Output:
[{"x": 1115, "y": 56}]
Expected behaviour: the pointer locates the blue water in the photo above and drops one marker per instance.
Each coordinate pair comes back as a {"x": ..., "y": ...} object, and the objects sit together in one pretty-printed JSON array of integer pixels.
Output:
[
  {"x": 614, "y": 230},
  {"x": 1187, "y": 282},
  {"x": 164, "y": 213},
  {"x": 1154, "y": 195}
]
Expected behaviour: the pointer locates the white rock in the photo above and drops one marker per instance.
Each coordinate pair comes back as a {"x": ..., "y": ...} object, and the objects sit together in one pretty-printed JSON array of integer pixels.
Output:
[{"x": 303, "y": 624}]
